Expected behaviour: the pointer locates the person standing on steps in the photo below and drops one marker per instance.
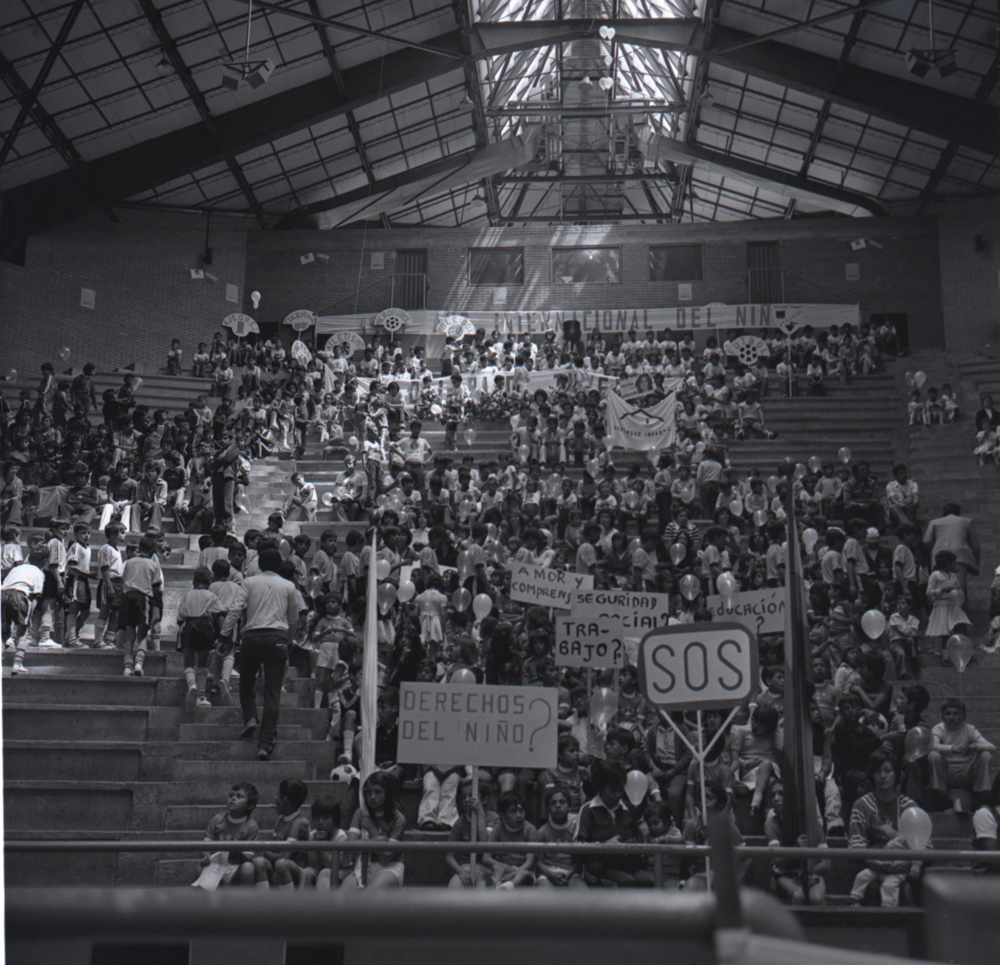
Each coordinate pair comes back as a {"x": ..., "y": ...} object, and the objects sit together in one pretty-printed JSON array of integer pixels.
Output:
[
  {"x": 988, "y": 412},
  {"x": 270, "y": 606},
  {"x": 225, "y": 464},
  {"x": 954, "y": 533}
]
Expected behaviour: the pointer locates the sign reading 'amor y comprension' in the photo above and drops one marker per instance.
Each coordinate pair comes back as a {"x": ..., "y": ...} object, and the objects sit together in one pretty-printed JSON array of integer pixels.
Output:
[
  {"x": 481, "y": 724},
  {"x": 602, "y": 628},
  {"x": 698, "y": 666},
  {"x": 545, "y": 586}
]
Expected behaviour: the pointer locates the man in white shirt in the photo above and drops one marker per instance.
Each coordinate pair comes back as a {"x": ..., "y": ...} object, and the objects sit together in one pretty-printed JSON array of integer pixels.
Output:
[
  {"x": 270, "y": 605},
  {"x": 902, "y": 496},
  {"x": 417, "y": 453}
]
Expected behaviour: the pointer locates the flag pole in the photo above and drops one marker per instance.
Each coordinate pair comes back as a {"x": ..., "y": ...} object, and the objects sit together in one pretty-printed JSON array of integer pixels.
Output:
[
  {"x": 800, "y": 813},
  {"x": 369, "y": 669}
]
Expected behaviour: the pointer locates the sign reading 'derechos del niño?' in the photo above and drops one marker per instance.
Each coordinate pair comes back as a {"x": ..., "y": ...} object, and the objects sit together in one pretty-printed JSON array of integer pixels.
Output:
[{"x": 492, "y": 726}]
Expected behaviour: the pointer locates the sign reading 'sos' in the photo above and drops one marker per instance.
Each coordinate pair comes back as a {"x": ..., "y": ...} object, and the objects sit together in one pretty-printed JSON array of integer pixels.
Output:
[{"x": 698, "y": 666}]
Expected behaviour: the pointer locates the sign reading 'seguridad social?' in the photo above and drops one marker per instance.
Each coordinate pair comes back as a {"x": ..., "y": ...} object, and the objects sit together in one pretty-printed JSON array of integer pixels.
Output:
[
  {"x": 698, "y": 666},
  {"x": 481, "y": 724},
  {"x": 545, "y": 586}
]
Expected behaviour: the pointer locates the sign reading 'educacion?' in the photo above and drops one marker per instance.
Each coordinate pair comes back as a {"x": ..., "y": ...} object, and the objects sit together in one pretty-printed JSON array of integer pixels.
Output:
[{"x": 760, "y": 611}]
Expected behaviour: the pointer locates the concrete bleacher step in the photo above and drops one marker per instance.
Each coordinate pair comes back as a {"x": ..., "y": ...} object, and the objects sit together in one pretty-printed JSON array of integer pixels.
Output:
[
  {"x": 118, "y": 760},
  {"x": 46, "y": 721},
  {"x": 136, "y": 691},
  {"x": 249, "y": 770},
  {"x": 204, "y": 732}
]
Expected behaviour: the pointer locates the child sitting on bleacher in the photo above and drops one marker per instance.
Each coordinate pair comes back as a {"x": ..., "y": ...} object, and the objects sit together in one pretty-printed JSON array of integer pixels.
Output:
[
  {"x": 786, "y": 873},
  {"x": 325, "y": 814},
  {"x": 949, "y": 401},
  {"x": 283, "y": 869},
  {"x": 234, "y": 824},
  {"x": 916, "y": 409}
]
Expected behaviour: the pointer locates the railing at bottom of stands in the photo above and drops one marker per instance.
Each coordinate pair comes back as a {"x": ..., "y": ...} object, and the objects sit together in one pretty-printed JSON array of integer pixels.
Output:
[{"x": 658, "y": 852}]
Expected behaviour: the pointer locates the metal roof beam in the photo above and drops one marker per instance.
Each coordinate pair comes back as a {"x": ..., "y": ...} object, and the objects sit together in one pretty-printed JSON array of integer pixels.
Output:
[
  {"x": 57, "y": 198},
  {"x": 824, "y": 114},
  {"x": 350, "y": 28},
  {"x": 39, "y": 82},
  {"x": 93, "y": 195},
  {"x": 895, "y": 99},
  {"x": 986, "y": 87},
  {"x": 201, "y": 105},
  {"x": 902, "y": 102},
  {"x": 352, "y": 121}
]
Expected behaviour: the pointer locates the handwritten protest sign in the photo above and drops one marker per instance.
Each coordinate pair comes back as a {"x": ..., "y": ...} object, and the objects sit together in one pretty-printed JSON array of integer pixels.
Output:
[
  {"x": 698, "y": 666},
  {"x": 545, "y": 586},
  {"x": 478, "y": 724},
  {"x": 760, "y": 611},
  {"x": 603, "y": 627}
]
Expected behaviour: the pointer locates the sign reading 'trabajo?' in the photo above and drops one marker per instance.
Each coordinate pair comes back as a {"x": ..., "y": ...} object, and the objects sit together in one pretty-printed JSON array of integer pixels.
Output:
[
  {"x": 603, "y": 627},
  {"x": 544, "y": 585},
  {"x": 481, "y": 724}
]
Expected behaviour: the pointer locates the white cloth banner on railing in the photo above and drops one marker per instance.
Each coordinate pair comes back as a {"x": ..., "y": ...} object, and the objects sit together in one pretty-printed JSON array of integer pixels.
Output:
[
  {"x": 616, "y": 320},
  {"x": 480, "y": 383},
  {"x": 638, "y": 428}
]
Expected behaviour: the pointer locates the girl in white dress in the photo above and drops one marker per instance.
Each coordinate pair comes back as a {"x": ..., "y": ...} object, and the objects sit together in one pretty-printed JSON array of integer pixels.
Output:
[{"x": 945, "y": 594}]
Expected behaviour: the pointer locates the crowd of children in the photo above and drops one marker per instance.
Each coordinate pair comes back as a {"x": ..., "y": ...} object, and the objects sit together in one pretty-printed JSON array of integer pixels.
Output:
[{"x": 447, "y": 534}]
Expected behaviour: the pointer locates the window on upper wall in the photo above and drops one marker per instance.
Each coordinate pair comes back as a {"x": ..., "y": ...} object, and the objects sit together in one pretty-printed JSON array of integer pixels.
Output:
[
  {"x": 572, "y": 265},
  {"x": 496, "y": 266},
  {"x": 675, "y": 263}
]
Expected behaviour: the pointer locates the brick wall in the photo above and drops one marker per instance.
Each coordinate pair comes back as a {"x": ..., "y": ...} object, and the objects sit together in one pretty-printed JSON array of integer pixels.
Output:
[
  {"x": 902, "y": 276},
  {"x": 970, "y": 279},
  {"x": 144, "y": 295}
]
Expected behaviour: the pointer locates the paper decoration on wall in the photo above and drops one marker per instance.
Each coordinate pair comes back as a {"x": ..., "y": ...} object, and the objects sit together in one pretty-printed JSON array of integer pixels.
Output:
[
  {"x": 788, "y": 317},
  {"x": 392, "y": 319},
  {"x": 748, "y": 348},
  {"x": 684, "y": 292},
  {"x": 352, "y": 340},
  {"x": 241, "y": 325},
  {"x": 232, "y": 293},
  {"x": 500, "y": 296},
  {"x": 88, "y": 297},
  {"x": 301, "y": 320},
  {"x": 378, "y": 260},
  {"x": 457, "y": 326},
  {"x": 300, "y": 352}
]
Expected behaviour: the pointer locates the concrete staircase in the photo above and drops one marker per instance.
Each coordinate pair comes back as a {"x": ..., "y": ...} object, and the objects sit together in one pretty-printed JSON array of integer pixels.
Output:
[
  {"x": 940, "y": 459},
  {"x": 92, "y": 754}
]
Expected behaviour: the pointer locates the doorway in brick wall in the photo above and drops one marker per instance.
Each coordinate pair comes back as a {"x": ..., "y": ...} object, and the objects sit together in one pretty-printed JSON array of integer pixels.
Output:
[{"x": 899, "y": 320}]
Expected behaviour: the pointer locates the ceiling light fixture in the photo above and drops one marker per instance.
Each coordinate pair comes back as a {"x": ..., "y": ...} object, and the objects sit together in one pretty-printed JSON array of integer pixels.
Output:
[
  {"x": 164, "y": 67},
  {"x": 255, "y": 74},
  {"x": 586, "y": 82},
  {"x": 919, "y": 62}
]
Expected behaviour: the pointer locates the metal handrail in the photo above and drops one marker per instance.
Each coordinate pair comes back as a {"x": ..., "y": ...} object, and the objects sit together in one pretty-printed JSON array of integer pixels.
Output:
[{"x": 497, "y": 847}]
